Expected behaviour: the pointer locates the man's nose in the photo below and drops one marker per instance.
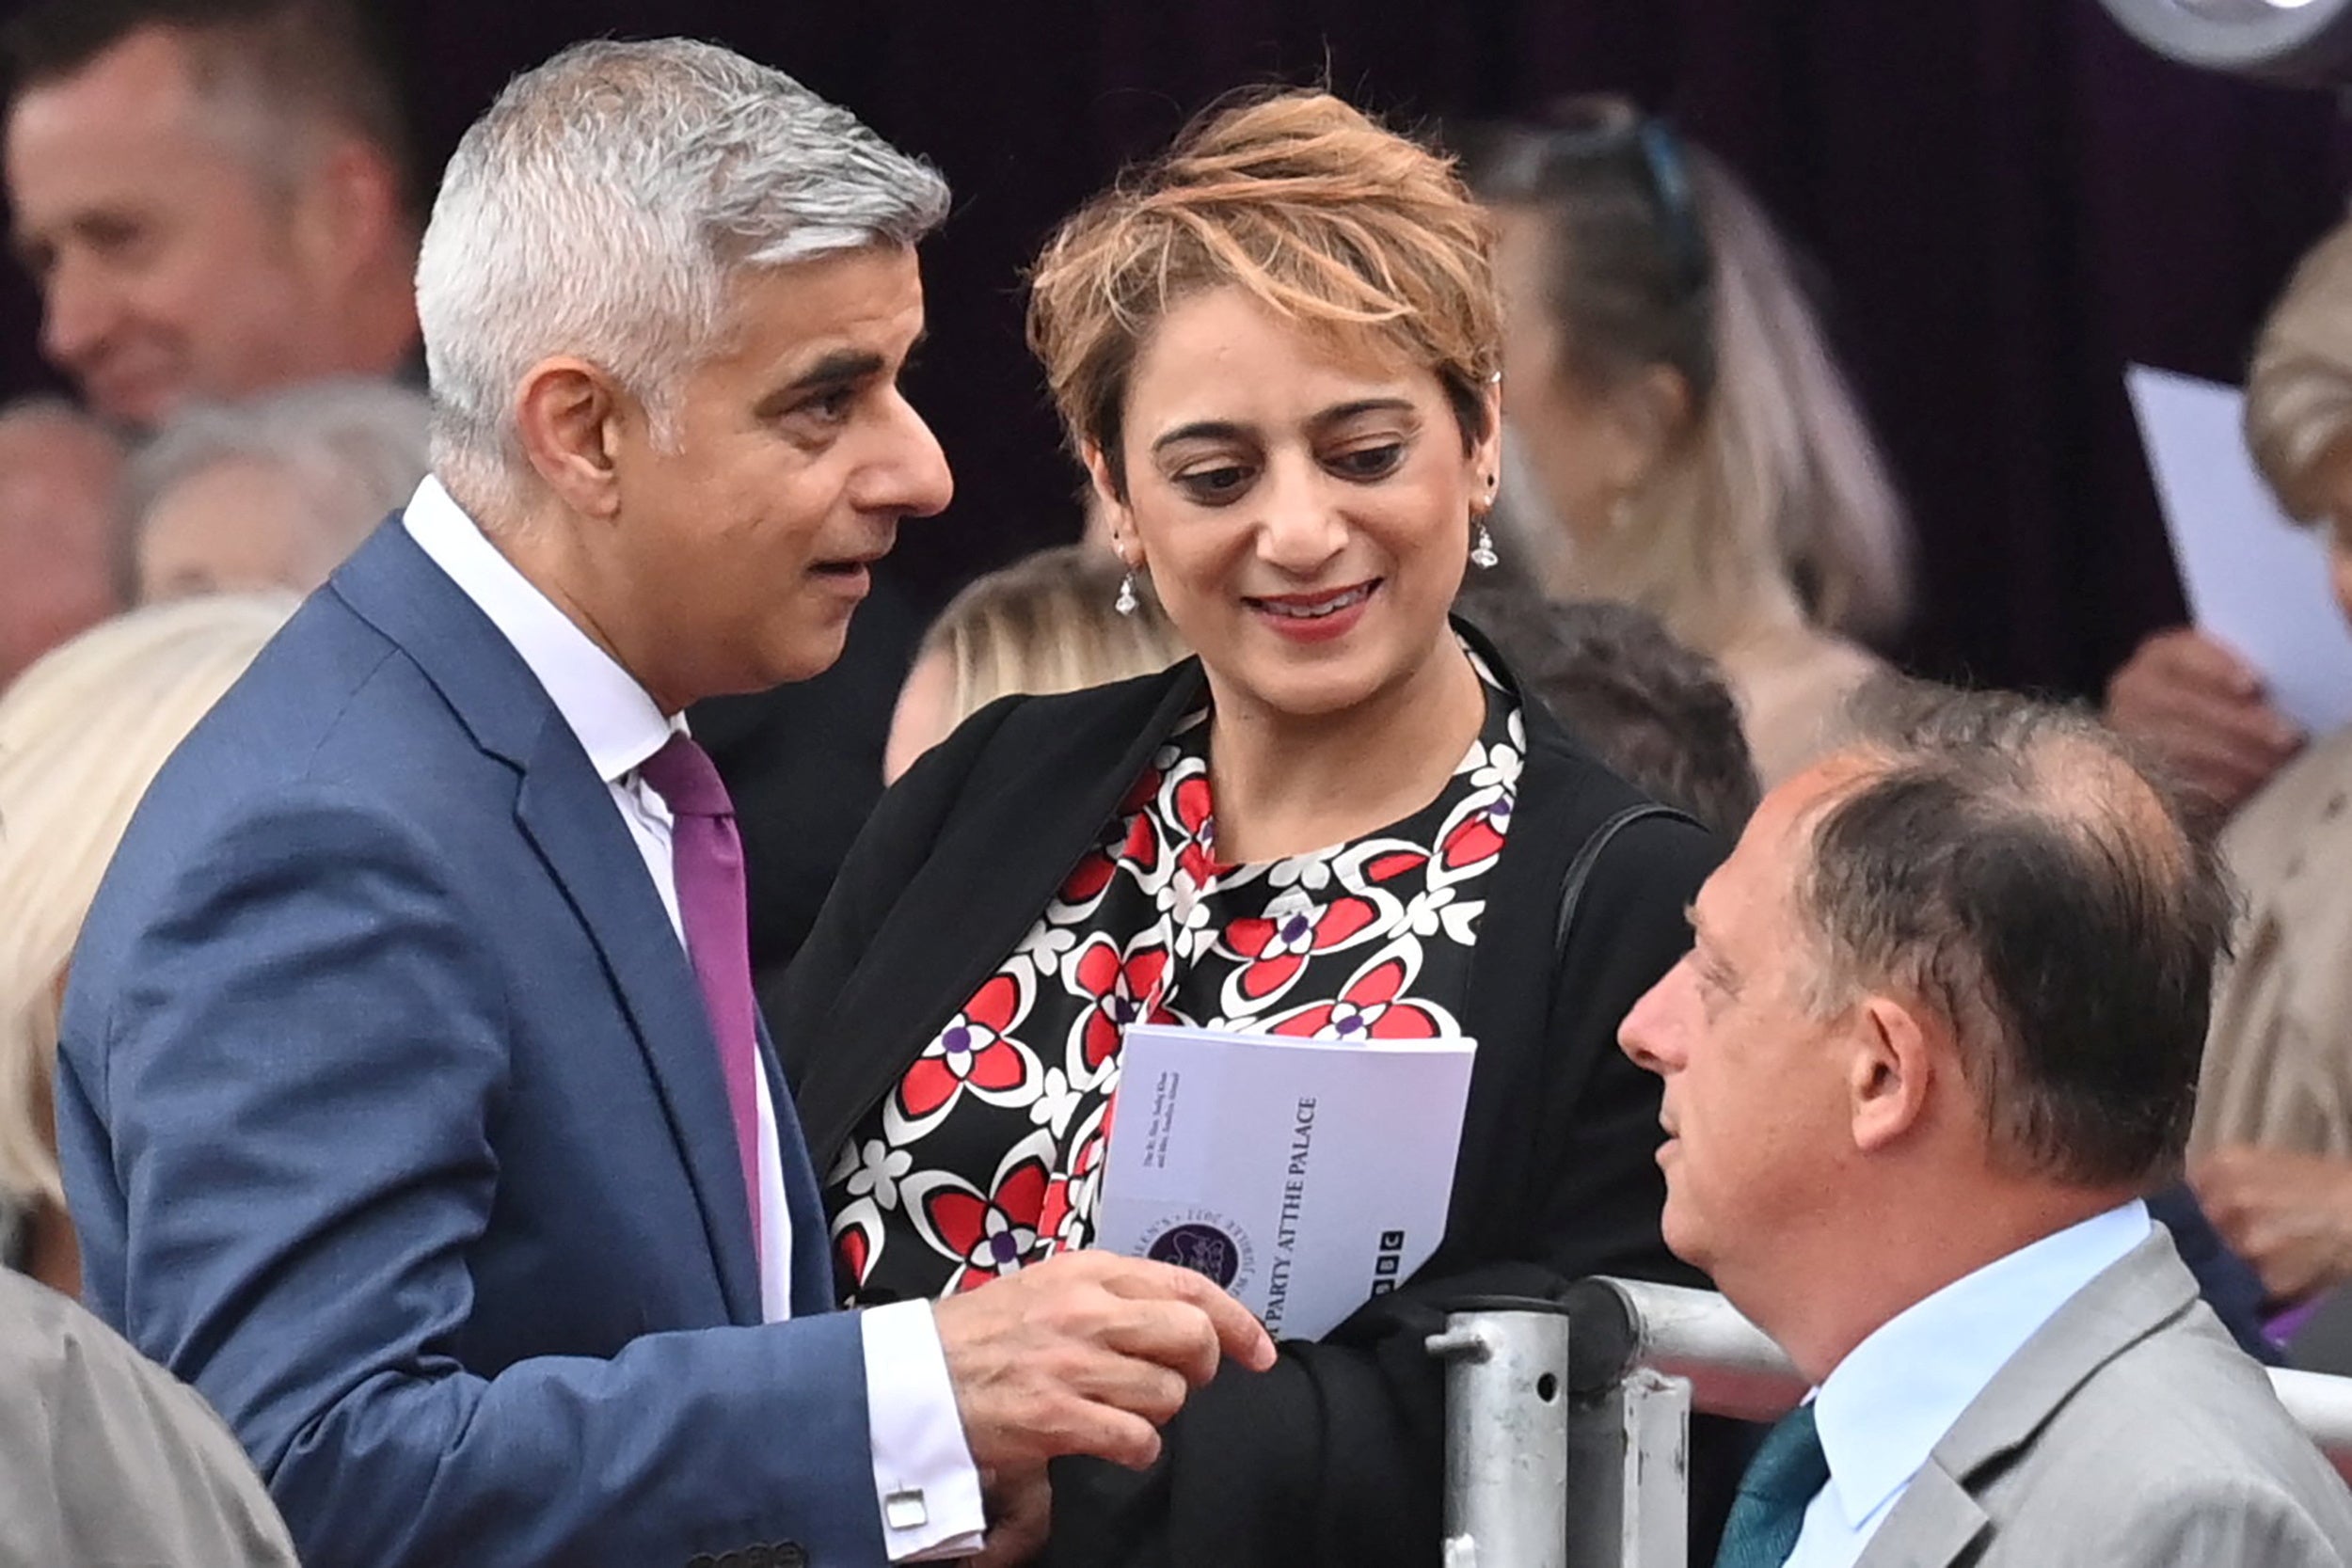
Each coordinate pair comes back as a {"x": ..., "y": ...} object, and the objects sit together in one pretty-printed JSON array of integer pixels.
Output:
[
  {"x": 1647, "y": 1033},
  {"x": 914, "y": 481},
  {"x": 78, "y": 312}
]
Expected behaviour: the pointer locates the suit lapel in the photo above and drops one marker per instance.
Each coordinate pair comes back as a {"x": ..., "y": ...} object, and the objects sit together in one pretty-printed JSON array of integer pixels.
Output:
[
  {"x": 1934, "y": 1523},
  {"x": 2142, "y": 1293},
  {"x": 803, "y": 1201},
  {"x": 567, "y": 813}
]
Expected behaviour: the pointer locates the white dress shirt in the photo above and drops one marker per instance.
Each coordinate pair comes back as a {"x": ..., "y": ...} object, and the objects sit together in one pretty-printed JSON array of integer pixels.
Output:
[
  {"x": 1887, "y": 1404},
  {"x": 926, "y": 1487}
]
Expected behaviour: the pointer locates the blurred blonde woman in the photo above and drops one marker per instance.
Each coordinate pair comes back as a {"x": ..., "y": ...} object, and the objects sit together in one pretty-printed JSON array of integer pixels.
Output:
[
  {"x": 1048, "y": 623},
  {"x": 82, "y": 733},
  {"x": 1686, "y": 441},
  {"x": 2271, "y": 1149}
]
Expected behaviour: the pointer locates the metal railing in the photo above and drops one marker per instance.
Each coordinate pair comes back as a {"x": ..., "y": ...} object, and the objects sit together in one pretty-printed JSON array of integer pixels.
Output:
[{"x": 1567, "y": 1423}]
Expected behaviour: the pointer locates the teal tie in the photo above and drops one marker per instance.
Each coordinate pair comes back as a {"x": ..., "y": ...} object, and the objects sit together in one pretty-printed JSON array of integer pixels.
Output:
[{"x": 1768, "y": 1513}]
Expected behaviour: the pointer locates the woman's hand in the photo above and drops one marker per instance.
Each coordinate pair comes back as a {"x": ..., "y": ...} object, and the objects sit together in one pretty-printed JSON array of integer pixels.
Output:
[
  {"x": 2202, "y": 709},
  {"x": 2288, "y": 1215}
]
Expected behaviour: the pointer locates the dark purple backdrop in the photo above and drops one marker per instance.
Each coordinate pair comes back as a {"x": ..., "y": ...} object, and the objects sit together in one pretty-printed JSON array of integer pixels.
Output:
[{"x": 2007, "y": 198}]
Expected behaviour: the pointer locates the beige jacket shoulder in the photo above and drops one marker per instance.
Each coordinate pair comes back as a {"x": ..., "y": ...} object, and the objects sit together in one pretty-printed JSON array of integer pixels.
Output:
[
  {"x": 107, "y": 1458},
  {"x": 2278, "y": 1057}
]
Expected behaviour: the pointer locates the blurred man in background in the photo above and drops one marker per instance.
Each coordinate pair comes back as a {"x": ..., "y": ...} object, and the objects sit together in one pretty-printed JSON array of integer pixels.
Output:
[
  {"x": 210, "y": 196},
  {"x": 59, "y": 471}
]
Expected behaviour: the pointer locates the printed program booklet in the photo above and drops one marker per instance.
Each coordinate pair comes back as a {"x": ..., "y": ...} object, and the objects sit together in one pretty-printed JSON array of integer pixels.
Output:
[{"x": 1306, "y": 1176}]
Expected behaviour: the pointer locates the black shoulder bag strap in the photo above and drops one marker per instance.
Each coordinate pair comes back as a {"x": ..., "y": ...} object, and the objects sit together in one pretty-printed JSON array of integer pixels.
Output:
[{"x": 1581, "y": 869}]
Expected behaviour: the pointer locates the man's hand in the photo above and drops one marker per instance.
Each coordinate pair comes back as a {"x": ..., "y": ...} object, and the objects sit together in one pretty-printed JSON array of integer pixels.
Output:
[
  {"x": 1086, "y": 1352},
  {"x": 2289, "y": 1215},
  {"x": 2202, "y": 710}
]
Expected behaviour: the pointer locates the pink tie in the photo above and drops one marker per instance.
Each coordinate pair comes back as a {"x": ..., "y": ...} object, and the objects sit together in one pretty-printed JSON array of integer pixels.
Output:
[{"x": 707, "y": 857}]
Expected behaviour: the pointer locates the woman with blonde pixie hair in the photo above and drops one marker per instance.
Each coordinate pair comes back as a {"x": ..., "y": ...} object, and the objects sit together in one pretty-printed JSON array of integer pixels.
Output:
[
  {"x": 1050, "y": 621},
  {"x": 82, "y": 734},
  {"x": 1275, "y": 351},
  {"x": 1693, "y": 446}
]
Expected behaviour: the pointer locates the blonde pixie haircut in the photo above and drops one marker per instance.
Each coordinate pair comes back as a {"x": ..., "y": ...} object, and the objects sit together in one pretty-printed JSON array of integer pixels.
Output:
[
  {"x": 1363, "y": 240},
  {"x": 83, "y": 732},
  {"x": 1045, "y": 625},
  {"x": 2299, "y": 394}
]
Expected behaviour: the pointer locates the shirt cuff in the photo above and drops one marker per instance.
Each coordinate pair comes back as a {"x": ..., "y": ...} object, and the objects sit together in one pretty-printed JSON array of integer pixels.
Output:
[{"x": 925, "y": 1482}]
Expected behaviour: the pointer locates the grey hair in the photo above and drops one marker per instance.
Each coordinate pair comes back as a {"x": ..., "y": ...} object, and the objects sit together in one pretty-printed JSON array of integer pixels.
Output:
[
  {"x": 602, "y": 206},
  {"x": 356, "y": 449}
]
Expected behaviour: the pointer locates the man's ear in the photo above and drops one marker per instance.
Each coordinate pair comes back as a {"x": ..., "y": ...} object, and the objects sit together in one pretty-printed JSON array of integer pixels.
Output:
[
  {"x": 567, "y": 418},
  {"x": 1891, "y": 1073},
  {"x": 348, "y": 210},
  {"x": 1118, "y": 516}
]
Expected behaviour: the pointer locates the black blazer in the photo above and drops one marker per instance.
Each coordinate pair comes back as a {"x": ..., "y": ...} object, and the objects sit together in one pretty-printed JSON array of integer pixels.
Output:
[{"x": 1335, "y": 1455}]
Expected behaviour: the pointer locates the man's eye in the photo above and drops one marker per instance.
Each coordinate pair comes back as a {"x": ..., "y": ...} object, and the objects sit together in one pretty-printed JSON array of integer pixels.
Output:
[
  {"x": 1365, "y": 462},
  {"x": 1215, "y": 486},
  {"x": 829, "y": 408}
]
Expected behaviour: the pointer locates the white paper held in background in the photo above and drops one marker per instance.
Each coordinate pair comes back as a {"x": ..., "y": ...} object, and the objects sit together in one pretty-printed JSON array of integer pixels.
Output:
[{"x": 2254, "y": 579}]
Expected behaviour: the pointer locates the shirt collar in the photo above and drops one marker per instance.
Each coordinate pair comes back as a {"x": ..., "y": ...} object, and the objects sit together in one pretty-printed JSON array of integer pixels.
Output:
[
  {"x": 1886, "y": 1405},
  {"x": 618, "y": 723}
]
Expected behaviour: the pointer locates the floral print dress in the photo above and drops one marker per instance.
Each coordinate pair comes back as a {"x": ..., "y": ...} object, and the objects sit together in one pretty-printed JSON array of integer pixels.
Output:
[{"x": 987, "y": 1154}]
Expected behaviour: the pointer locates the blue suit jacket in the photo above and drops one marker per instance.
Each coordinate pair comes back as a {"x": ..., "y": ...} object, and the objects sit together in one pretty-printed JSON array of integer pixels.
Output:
[{"x": 392, "y": 1120}]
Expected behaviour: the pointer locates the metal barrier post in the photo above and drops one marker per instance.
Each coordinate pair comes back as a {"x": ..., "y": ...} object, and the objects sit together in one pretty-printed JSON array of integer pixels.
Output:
[
  {"x": 1629, "y": 1483},
  {"x": 1507, "y": 1439}
]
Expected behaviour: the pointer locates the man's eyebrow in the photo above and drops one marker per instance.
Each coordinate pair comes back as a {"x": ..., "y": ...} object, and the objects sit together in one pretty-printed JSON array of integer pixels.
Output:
[{"x": 839, "y": 368}]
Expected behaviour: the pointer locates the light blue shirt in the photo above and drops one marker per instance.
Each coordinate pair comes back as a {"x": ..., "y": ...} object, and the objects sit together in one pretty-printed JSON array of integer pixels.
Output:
[{"x": 1887, "y": 1404}]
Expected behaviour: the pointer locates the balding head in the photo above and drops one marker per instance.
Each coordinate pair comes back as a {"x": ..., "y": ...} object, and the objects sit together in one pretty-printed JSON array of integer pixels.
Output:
[
  {"x": 2011, "y": 866},
  {"x": 59, "y": 471}
]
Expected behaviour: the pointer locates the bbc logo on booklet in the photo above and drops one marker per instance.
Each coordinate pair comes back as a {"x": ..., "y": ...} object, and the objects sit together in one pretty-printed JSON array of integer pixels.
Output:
[{"x": 1385, "y": 1267}]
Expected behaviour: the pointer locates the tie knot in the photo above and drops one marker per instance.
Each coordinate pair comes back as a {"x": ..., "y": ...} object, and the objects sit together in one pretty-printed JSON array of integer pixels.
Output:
[{"x": 684, "y": 776}]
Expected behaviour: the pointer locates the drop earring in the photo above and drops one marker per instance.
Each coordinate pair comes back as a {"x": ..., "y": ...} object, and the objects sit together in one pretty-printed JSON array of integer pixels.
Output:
[
  {"x": 1125, "y": 603},
  {"x": 1483, "y": 547}
]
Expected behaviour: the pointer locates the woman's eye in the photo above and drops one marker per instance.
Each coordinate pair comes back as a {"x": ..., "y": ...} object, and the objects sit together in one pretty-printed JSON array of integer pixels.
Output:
[
  {"x": 1211, "y": 486},
  {"x": 1369, "y": 462}
]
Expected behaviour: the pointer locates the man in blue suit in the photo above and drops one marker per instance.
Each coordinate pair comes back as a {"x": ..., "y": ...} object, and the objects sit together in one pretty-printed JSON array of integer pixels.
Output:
[{"x": 411, "y": 1099}]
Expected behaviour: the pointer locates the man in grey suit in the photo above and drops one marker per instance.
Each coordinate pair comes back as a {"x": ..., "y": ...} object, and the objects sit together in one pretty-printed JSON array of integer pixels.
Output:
[
  {"x": 1938, "y": 1032},
  {"x": 106, "y": 1458}
]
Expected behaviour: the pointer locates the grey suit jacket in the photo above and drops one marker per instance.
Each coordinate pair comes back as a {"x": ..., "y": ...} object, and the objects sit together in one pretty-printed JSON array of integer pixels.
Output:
[
  {"x": 2128, "y": 1430},
  {"x": 107, "y": 1458}
]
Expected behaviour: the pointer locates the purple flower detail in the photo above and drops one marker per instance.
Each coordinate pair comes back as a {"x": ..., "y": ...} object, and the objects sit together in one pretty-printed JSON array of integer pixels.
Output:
[{"x": 957, "y": 1041}]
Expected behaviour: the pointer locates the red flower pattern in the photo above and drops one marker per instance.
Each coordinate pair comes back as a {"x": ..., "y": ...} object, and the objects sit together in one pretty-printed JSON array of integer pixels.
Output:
[{"x": 973, "y": 1048}]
